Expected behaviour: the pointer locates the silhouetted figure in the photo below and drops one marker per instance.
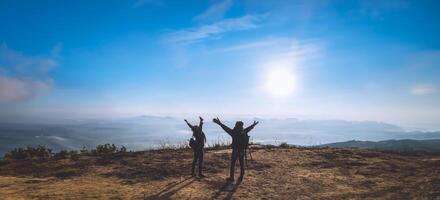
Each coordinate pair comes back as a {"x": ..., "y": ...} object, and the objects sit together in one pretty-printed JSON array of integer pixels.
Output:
[
  {"x": 240, "y": 140},
  {"x": 197, "y": 143}
]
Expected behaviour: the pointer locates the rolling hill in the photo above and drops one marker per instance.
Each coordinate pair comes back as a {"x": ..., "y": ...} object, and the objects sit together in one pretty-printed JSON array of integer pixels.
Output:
[{"x": 392, "y": 145}]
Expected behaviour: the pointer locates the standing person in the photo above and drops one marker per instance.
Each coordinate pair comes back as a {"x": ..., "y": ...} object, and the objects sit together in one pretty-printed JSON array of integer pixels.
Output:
[
  {"x": 240, "y": 140},
  {"x": 197, "y": 146}
]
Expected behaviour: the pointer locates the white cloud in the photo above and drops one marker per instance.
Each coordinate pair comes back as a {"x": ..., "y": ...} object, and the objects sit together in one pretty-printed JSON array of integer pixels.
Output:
[
  {"x": 192, "y": 35},
  {"x": 14, "y": 89},
  {"x": 23, "y": 77},
  {"x": 423, "y": 89},
  {"x": 215, "y": 11}
]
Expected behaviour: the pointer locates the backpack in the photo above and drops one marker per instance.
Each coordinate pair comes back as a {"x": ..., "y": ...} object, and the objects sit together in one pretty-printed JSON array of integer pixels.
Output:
[
  {"x": 244, "y": 143},
  {"x": 192, "y": 143},
  {"x": 244, "y": 140}
]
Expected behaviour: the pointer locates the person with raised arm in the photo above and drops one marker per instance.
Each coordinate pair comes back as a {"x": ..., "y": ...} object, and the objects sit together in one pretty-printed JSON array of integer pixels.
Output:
[
  {"x": 197, "y": 143},
  {"x": 240, "y": 140}
]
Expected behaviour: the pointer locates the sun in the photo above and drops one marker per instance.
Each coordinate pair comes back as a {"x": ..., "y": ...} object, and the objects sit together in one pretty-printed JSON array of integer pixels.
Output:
[{"x": 280, "y": 82}]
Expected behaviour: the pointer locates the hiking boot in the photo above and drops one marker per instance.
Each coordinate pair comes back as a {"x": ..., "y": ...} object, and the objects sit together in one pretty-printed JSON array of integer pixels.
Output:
[{"x": 202, "y": 176}]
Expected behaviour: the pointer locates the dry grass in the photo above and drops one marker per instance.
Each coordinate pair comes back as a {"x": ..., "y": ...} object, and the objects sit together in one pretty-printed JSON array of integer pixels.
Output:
[{"x": 274, "y": 173}]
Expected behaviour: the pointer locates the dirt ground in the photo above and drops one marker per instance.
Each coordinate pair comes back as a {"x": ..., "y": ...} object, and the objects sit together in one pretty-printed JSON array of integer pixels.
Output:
[{"x": 274, "y": 173}]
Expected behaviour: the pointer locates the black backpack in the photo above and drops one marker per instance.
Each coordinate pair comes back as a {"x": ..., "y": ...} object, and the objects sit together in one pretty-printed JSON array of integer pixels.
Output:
[
  {"x": 192, "y": 143},
  {"x": 244, "y": 143},
  {"x": 244, "y": 140}
]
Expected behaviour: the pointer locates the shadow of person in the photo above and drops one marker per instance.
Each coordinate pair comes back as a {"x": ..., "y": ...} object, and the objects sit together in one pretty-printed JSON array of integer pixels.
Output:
[
  {"x": 227, "y": 188},
  {"x": 171, "y": 189},
  {"x": 234, "y": 189}
]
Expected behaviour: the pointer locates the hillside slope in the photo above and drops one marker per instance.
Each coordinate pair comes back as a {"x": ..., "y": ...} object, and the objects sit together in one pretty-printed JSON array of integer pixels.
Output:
[
  {"x": 392, "y": 145},
  {"x": 274, "y": 173}
]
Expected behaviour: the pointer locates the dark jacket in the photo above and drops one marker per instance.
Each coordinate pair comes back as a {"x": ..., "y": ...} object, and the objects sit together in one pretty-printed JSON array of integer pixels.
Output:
[
  {"x": 238, "y": 136},
  {"x": 200, "y": 137},
  {"x": 198, "y": 134}
]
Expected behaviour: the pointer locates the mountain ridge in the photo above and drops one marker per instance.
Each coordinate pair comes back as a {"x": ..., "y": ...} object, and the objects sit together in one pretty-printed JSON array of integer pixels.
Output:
[{"x": 393, "y": 145}]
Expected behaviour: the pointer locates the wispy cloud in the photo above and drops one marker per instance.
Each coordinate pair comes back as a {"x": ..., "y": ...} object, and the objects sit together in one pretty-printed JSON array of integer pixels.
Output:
[
  {"x": 279, "y": 46},
  {"x": 289, "y": 55},
  {"x": 423, "y": 89},
  {"x": 193, "y": 35},
  {"x": 216, "y": 11},
  {"x": 301, "y": 50},
  {"x": 250, "y": 45},
  {"x": 22, "y": 76}
]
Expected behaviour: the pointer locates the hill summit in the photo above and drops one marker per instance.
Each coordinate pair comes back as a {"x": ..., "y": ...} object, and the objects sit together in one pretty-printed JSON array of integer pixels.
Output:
[{"x": 273, "y": 173}]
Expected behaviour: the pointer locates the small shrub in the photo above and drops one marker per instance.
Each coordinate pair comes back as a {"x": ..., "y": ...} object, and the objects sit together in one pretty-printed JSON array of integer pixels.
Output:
[
  {"x": 61, "y": 155},
  {"x": 167, "y": 145},
  {"x": 106, "y": 149},
  {"x": 270, "y": 146},
  {"x": 284, "y": 145},
  {"x": 17, "y": 153},
  {"x": 84, "y": 150},
  {"x": 40, "y": 152},
  {"x": 73, "y": 152},
  {"x": 220, "y": 143}
]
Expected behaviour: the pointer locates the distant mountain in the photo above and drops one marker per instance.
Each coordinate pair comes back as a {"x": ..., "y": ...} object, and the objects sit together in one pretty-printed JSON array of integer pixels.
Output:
[
  {"x": 393, "y": 145},
  {"x": 145, "y": 132}
]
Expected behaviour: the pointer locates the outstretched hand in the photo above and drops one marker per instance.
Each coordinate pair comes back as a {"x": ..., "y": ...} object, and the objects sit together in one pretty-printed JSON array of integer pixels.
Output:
[
  {"x": 201, "y": 119},
  {"x": 216, "y": 120},
  {"x": 255, "y": 123}
]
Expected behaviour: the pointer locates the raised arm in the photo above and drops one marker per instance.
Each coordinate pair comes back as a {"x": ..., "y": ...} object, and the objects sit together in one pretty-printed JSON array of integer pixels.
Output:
[
  {"x": 246, "y": 130},
  {"x": 201, "y": 123},
  {"x": 190, "y": 126},
  {"x": 204, "y": 136},
  {"x": 224, "y": 127}
]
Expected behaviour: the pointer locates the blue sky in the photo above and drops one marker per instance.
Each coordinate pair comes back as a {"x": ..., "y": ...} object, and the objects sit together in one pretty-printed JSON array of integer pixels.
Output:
[{"x": 352, "y": 60}]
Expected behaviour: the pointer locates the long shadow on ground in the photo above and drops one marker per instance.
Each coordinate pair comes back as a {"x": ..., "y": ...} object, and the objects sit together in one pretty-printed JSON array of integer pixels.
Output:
[
  {"x": 229, "y": 188},
  {"x": 171, "y": 189}
]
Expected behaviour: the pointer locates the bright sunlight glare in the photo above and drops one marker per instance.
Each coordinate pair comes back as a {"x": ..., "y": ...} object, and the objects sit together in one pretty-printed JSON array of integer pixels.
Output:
[{"x": 280, "y": 82}]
